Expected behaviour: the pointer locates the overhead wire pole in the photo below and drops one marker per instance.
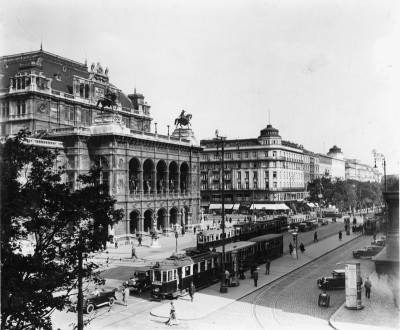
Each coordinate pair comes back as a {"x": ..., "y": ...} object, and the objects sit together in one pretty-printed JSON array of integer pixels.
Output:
[{"x": 223, "y": 288}]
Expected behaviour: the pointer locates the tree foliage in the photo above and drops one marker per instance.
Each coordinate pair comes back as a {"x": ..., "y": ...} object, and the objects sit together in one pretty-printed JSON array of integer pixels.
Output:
[
  {"x": 345, "y": 194},
  {"x": 36, "y": 204}
]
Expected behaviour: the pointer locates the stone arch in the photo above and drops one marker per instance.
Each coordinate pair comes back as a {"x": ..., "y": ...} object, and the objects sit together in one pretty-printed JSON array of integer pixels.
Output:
[
  {"x": 173, "y": 216},
  {"x": 134, "y": 175},
  {"x": 173, "y": 176},
  {"x": 134, "y": 223},
  {"x": 148, "y": 175},
  {"x": 161, "y": 214},
  {"x": 161, "y": 173},
  {"x": 184, "y": 176},
  {"x": 148, "y": 220}
]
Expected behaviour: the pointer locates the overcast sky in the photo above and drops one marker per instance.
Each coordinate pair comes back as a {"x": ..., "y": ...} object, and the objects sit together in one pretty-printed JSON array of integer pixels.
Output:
[{"x": 327, "y": 71}]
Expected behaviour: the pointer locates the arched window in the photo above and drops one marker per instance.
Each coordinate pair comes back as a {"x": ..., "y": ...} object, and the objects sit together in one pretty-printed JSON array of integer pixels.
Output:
[
  {"x": 87, "y": 91},
  {"x": 81, "y": 90}
]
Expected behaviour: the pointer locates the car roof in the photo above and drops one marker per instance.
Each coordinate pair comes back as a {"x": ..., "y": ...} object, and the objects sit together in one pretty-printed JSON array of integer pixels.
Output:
[{"x": 340, "y": 271}]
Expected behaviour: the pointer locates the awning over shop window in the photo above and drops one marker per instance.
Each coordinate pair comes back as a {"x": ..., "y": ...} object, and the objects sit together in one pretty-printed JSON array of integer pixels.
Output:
[
  {"x": 236, "y": 207},
  {"x": 215, "y": 206},
  {"x": 228, "y": 206},
  {"x": 271, "y": 207}
]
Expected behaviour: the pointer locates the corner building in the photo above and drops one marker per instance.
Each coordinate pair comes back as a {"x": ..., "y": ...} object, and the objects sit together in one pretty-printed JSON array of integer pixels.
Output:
[
  {"x": 154, "y": 177},
  {"x": 263, "y": 170}
]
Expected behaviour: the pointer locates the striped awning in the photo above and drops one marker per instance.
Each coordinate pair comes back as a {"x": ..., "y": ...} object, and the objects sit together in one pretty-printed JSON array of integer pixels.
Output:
[
  {"x": 215, "y": 206},
  {"x": 271, "y": 207}
]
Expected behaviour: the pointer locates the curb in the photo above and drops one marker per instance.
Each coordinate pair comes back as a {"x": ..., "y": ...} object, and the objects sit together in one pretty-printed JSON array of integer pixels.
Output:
[{"x": 332, "y": 321}]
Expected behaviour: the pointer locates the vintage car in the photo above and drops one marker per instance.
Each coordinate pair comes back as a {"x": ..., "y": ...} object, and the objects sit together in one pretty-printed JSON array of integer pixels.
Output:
[
  {"x": 379, "y": 242},
  {"x": 92, "y": 301},
  {"x": 140, "y": 281},
  {"x": 323, "y": 221},
  {"x": 311, "y": 224},
  {"x": 368, "y": 251},
  {"x": 302, "y": 227},
  {"x": 336, "y": 281}
]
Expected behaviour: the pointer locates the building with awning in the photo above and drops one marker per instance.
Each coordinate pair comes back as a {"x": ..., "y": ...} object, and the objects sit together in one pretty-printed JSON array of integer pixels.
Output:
[
  {"x": 269, "y": 207},
  {"x": 215, "y": 207}
]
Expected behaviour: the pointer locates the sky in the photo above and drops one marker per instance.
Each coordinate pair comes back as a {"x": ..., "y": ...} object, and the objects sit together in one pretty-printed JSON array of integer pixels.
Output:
[{"x": 323, "y": 72}]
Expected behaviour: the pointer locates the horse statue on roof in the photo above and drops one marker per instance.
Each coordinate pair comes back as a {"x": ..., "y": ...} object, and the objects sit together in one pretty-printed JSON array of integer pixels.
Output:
[
  {"x": 183, "y": 120},
  {"x": 108, "y": 100}
]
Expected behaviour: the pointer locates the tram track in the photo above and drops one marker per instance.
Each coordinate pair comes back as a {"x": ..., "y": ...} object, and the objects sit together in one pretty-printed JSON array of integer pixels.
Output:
[{"x": 256, "y": 301}]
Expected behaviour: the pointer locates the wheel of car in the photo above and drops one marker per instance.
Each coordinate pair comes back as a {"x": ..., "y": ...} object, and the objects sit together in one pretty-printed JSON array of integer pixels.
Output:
[
  {"x": 89, "y": 308},
  {"x": 111, "y": 301}
]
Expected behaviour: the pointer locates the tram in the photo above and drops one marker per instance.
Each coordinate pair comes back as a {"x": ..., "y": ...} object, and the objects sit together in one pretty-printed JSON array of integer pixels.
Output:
[
  {"x": 267, "y": 247},
  {"x": 245, "y": 252},
  {"x": 372, "y": 226},
  {"x": 208, "y": 239},
  {"x": 171, "y": 277}
]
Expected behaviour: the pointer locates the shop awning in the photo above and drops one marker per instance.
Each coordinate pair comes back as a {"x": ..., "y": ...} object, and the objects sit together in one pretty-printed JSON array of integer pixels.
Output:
[
  {"x": 215, "y": 206},
  {"x": 270, "y": 207},
  {"x": 236, "y": 207},
  {"x": 228, "y": 206}
]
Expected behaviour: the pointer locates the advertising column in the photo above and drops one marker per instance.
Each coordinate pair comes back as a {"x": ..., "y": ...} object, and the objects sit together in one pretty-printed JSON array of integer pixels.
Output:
[{"x": 353, "y": 286}]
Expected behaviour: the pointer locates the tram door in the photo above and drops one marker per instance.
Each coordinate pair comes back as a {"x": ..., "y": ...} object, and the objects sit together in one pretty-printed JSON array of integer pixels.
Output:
[{"x": 180, "y": 280}]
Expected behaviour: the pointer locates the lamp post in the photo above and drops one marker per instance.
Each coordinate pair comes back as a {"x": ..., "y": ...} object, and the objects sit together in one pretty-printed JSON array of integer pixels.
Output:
[
  {"x": 295, "y": 256},
  {"x": 155, "y": 129},
  {"x": 168, "y": 129},
  {"x": 176, "y": 240},
  {"x": 221, "y": 139}
]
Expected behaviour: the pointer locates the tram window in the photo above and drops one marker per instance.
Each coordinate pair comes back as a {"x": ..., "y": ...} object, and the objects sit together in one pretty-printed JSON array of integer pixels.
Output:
[
  {"x": 187, "y": 271},
  {"x": 157, "y": 275},
  {"x": 169, "y": 275},
  {"x": 164, "y": 276},
  {"x": 195, "y": 269},
  {"x": 209, "y": 264},
  {"x": 201, "y": 238},
  {"x": 202, "y": 266}
]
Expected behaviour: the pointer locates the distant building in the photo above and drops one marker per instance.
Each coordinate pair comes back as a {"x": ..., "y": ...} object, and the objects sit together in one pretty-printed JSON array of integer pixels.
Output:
[
  {"x": 332, "y": 164},
  {"x": 266, "y": 169},
  {"x": 154, "y": 177},
  {"x": 355, "y": 170}
]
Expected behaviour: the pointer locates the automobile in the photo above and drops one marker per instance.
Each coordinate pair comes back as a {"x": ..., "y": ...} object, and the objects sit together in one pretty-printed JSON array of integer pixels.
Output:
[
  {"x": 379, "y": 242},
  {"x": 302, "y": 227},
  {"x": 92, "y": 301},
  {"x": 312, "y": 224},
  {"x": 368, "y": 251},
  {"x": 140, "y": 281},
  {"x": 323, "y": 222},
  {"x": 98, "y": 280},
  {"x": 336, "y": 281}
]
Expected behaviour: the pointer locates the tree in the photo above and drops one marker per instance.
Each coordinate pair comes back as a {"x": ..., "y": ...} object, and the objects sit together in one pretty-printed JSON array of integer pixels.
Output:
[{"x": 66, "y": 226}]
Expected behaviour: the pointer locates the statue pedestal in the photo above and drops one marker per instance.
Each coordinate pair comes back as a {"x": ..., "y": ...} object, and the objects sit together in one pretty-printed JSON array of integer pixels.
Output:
[
  {"x": 108, "y": 123},
  {"x": 183, "y": 133},
  {"x": 155, "y": 243}
]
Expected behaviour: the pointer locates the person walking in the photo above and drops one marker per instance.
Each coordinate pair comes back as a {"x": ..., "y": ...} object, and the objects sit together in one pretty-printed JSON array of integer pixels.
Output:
[
  {"x": 140, "y": 240},
  {"x": 290, "y": 248},
  {"x": 192, "y": 290},
  {"x": 134, "y": 253},
  {"x": 227, "y": 277},
  {"x": 340, "y": 235},
  {"x": 368, "y": 286},
  {"x": 125, "y": 295},
  {"x": 315, "y": 237},
  {"x": 302, "y": 248},
  {"x": 267, "y": 266},
  {"x": 116, "y": 244},
  {"x": 173, "y": 318},
  {"x": 255, "y": 276}
]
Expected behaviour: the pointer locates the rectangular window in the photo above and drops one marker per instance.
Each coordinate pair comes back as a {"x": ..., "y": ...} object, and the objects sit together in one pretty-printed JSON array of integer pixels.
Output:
[
  {"x": 274, "y": 154},
  {"x": 246, "y": 174},
  {"x": 5, "y": 112},
  {"x": 254, "y": 153},
  {"x": 228, "y": 155},
  {"x": 205, "y": 156},
  {"x": 238, "y": 155},
  {"x": 239, "y": 175},
  {"x": 275, "y": 185},
  {"x": 274, "y": 175},
  {"x": 246, "y": 155}
]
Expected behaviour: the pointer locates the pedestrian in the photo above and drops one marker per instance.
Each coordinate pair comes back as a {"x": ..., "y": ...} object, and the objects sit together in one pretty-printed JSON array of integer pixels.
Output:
[
  {"x": 192, "y": 290},
  {"x": 125, "y": 295},
  {"x": 116, "y": 244},
  {"x": 183, "y": 231},
  {"x": 374, "y": 237},
  {"x": 267, "y": 266},
  {"x": 227, "y": 277},
  {"x": 134, "y": 253},
  {"x": 290, "y": 248},
  {"x": 340, "y": 235},
  {"x": 253, "y": 268},
  {"x": 255, "y": 276},
  {"x": 194, "y": 230},
  {"x": 140, "y": 240},
  {"x": 368, "y": 286},
  {"x": 302, "y": 248},
  {"x": 241, "y": 272},
  {"x": 315, "y": 237},
  {"x": 173, "y": 318}
]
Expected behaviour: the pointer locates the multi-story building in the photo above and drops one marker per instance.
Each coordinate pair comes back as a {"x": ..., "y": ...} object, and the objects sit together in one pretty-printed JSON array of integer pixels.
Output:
[
  {"x": 332, "y": 164},
  {"x": 355, "y": 170},
  {"x": 154, "y": 177},
  {"x": 266, "y": 169}
]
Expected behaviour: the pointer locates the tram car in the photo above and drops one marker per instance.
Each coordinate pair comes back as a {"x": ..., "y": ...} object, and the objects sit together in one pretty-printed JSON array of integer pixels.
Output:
[
  {"x": 371, "y": 226},
  {"x": 268, "y": 246},
  {"x": 246, "y": 230},
  {"x": 208, "y": 239},
  {"x": 171, "y": 277},
  {"x": 245, "y": 252}
]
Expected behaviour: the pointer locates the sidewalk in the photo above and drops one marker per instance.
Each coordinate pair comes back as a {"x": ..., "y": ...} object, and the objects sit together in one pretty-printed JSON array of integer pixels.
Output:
[{"x": 379, "y": 312}]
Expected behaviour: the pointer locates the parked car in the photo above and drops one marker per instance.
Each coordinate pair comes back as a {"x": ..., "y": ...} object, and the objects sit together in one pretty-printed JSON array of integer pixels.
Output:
[
  {"x": 92, "y": 301},
  {"x": 312, "y": 224},
  {"x": 368, "y": 251},
  {"x": 302, "y": 227},
  {"x": 379, "y": 242},
  {"x": 140, "y": 281},
  {"x": 336, "y": 281},
  {"x": 323, "y": 221}
]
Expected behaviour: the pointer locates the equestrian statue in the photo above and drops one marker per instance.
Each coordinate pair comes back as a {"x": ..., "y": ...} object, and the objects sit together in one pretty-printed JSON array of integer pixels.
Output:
[
  {"x": 108, "y": 100},
  {"x": 183, "y": 120}
]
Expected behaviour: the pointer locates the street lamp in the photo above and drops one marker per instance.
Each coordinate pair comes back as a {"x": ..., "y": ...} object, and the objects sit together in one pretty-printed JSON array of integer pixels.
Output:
[
  {"x": 379, "y": 156},
  {"x": 168, "y": 129},
  {"x": 295, "y": 256},
  {"x": 221, "y": 139}
]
